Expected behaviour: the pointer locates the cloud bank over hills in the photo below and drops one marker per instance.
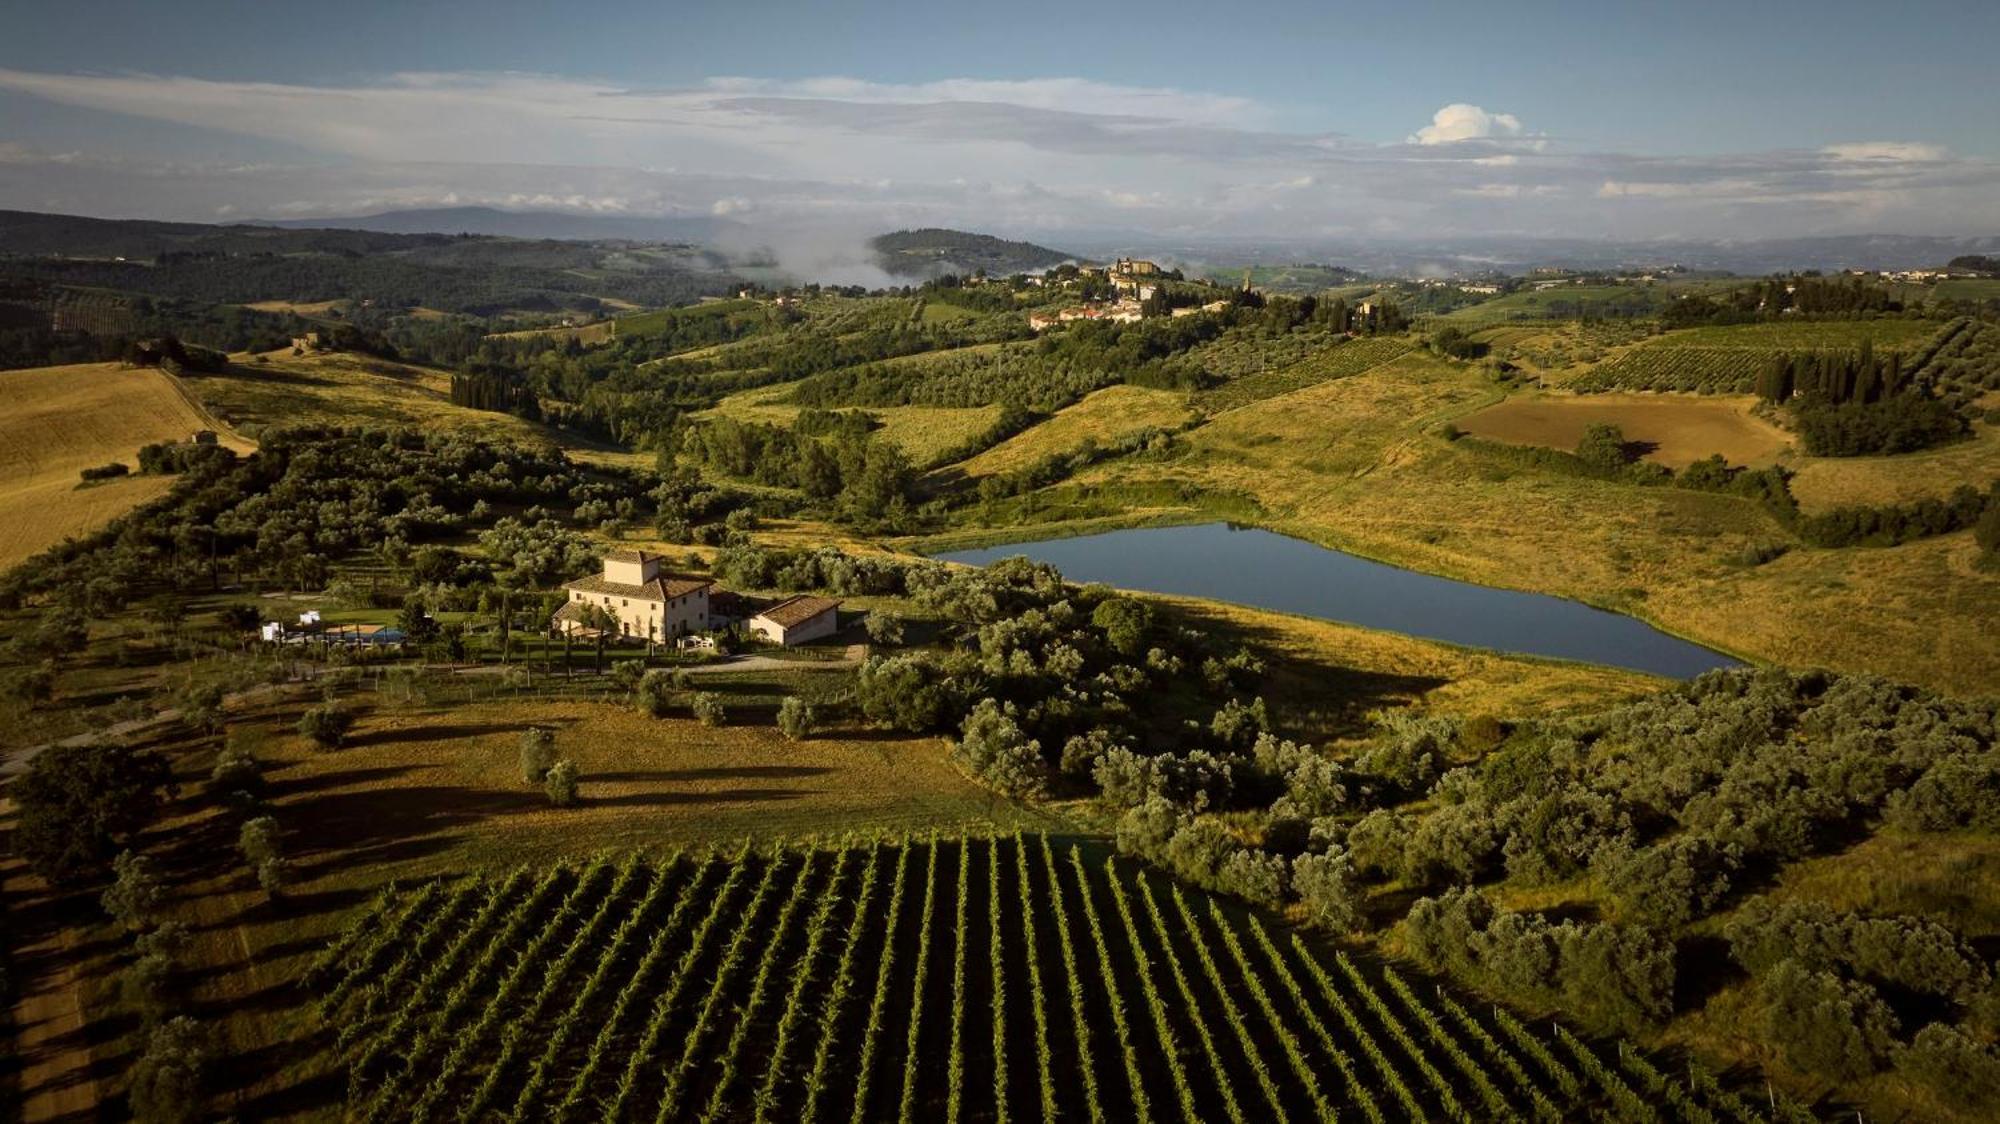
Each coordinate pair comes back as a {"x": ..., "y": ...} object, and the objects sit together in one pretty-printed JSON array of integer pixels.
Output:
[{"x": 1043, "y": 155}]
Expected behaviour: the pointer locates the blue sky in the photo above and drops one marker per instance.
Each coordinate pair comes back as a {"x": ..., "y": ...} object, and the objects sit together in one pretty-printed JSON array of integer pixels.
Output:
[{"x": 1693, "y": 118}]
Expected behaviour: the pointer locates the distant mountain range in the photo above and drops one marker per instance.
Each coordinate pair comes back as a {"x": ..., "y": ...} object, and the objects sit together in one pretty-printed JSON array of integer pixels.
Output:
[
  {"x": 528, "y": 224},
  {"x": 934, "y": 250}
]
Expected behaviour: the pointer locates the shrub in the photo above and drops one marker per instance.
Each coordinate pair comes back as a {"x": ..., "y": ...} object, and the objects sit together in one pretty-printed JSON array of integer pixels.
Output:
[
  {"x": 994, "y": 749},
  {"x": 1836, "y": 1028},
  {"x": 561, "y": 783},
  {"x": 168, "y": 1079},
  {"x": 538, "y": 753},
  {"x": 1898, "y": 424},
  {"x": 1125, "y": 623},
  {"x": 654, "y": 694},
  {"x": 1326, "y": 887},
  {"x": 885, "y": 629},
  {"x": 106, "y": 471},
  {"x": 796, "y": 719},
  {"x": 260, "y": 840},
  {"x": 1960, "y": 1070},
  {"x": 628, "y": 673},
  {"x": 135, "y": 894},
  {"x": 1255, "y": 876},
  {"x": 707, "y": 708},
  {"x": 327, "y": 724},
  {"x": 274, "y": 874},
  {"x": 907, "y": 693},
  {"x": 1237, "y": 726},
  {"x": 147, "y": 985},
  {"x": 236, "y": 770},
  {"x": 1603, "y": 446}
]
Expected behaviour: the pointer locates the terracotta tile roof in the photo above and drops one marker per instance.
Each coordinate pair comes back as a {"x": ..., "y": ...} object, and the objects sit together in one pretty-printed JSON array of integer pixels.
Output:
[
  {"x": 659, "y": 589},
  {"x": 795, "y": 611},
  {"x": 630, "y": 555}
]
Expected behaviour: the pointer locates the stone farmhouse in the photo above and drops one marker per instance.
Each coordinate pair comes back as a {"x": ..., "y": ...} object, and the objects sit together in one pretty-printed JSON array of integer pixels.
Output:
[
  {"x": 648, "y": 604},
  {"x": 656, "y": 607},
  {"x": 797, "y": 620}
]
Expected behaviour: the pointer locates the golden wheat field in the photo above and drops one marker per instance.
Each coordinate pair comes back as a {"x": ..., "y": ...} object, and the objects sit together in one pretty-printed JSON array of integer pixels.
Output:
[{"x": 57, "y": 421}]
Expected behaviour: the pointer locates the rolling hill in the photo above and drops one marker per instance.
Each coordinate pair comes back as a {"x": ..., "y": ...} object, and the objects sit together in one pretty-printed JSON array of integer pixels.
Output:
[{"x": 933, "y": 251}]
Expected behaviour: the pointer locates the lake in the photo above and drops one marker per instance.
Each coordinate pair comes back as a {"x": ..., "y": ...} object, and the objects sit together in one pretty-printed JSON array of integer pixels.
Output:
[{"x": 1217, "y": 562}]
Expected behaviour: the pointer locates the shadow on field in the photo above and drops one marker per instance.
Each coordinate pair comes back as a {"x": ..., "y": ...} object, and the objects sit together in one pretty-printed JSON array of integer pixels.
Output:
[
  {"x": 673, "y": 799},
  {"x": 343, "y": 821},
  {"x": 433, "y": 733},
  {"x": 277, "y": 789},
  {"x": 717, "y": 773}
]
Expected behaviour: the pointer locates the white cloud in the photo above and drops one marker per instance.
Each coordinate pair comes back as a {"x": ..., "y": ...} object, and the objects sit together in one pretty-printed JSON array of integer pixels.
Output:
[
  {"x": 1460, "y": 121},
  {"x": 958, "y": 152},
  {"x": 1898, "y": 151}
]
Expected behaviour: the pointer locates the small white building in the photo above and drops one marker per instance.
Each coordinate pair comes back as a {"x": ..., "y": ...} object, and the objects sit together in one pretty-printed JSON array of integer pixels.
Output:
[
  {"x": 648, "y": 604},
  {"x": 798, "y": 620}
]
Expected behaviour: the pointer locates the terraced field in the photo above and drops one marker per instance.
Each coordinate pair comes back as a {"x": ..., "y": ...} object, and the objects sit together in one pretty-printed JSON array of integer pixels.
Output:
[{"x": 994, "y": 979}]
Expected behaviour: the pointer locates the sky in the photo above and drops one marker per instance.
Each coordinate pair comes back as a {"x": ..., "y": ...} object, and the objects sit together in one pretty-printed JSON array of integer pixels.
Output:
[{"x": 1290, "y": 118}]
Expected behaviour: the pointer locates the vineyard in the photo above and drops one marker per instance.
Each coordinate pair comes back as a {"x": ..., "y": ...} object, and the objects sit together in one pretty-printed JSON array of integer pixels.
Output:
[
  {"x": 1012, "y": 978},
  {"x": 1725, "y": 360},
  {"x": 1335, "y": 362}
]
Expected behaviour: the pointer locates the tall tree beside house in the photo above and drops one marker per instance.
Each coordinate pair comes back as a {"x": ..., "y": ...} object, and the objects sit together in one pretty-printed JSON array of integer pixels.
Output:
[
  {"x": 605, "y": 625},
  {"x": 416, "y": 622}
]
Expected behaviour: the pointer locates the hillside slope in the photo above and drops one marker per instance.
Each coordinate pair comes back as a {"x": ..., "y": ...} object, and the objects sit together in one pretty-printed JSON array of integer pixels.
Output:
[
  {"x": 932, "y": 251},
  {"x": 56, "y": 422}
]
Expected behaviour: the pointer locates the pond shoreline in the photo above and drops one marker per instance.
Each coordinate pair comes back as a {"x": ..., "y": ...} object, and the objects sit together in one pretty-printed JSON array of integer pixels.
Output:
[{"x": 1204, "y": 559}]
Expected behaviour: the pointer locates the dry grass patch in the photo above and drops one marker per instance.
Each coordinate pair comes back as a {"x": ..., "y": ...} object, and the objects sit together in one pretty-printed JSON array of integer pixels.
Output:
[
  {"x": 1105, "y": 415},
  {"x": 280, "y": 389},
  {"x": 1824, "y": 482},
  {"x": 1681, "y": 429},
  {"x": 1340, "y": 676},
  {"x": 57, "y": 421}
]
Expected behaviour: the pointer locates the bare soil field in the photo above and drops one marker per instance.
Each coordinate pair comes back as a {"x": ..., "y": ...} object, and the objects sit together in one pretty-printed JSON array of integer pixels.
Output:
[
  {"x": 1681, "y": 429},
  {"x": 56, "y": 422}
]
